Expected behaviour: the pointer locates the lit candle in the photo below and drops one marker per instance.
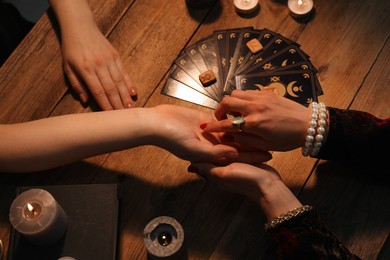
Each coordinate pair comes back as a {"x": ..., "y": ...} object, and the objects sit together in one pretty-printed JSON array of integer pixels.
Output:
[
  {"x": 163, "y": 237},
  {"x": 300, "y": 8},
  {"x": 246, "y": 6},
  {"x": 37, "y": 216}
]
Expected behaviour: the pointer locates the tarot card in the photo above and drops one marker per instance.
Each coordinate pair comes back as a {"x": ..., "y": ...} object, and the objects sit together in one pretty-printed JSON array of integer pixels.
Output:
[
  {"x": 206, "y": 48},
  {"x": 295, "y": 85},
  {"x": 302, "y": 67},
  {"x": 185, "y": 63},
  {"x": 277, "y": 44},
  {"x": 180, "y": 75},
  {"x": 233, "y": 40},
  {"x": 196, "y": 58},
  {"x": 181, "y": 91},
  {"x": 220, "y": 45},
  {"x": 290, "y": 55}
]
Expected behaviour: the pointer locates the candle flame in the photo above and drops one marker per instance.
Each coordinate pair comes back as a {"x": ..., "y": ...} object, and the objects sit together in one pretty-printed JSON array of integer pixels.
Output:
[
  {"x": 300, "y": 2},
  {"x": 30, "y": 207}
]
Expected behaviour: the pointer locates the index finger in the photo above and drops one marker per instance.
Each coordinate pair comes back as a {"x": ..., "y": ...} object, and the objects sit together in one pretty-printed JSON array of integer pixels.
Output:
[
  {"x": 224, "y": 125},
  {"x": 230, "y": 105}
]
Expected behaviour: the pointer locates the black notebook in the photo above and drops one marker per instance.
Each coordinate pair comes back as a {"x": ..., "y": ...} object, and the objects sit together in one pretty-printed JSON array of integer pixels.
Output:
[{"x": 92, "y": 212}]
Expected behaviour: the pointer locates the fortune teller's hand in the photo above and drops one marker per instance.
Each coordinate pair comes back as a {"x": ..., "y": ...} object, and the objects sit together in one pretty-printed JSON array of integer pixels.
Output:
[
  {"x": 178, "y": 131},
  {"x": 261, "y": 184},
  {"x": 271, "y": 122},
  {"x": 91, "y": 63}
]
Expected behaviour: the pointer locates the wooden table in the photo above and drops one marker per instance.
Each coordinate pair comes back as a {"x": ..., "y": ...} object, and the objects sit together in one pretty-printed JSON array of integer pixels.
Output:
[{"x": 348, "y": 42}]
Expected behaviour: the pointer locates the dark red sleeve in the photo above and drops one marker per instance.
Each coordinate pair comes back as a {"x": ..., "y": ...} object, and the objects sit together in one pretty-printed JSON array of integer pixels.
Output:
[
  {"x": 357, "y": 137},
  {"x": 306, "y": 237}
]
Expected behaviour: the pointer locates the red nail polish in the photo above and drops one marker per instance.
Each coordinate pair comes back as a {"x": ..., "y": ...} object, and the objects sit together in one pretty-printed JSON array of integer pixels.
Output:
[{"x": 203, "y": 126}]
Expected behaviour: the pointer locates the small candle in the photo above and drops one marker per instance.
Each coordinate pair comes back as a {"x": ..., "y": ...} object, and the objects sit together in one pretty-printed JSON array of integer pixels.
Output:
[
  {"x": 163, "y": 237},
  {"x": 37, "y": 216},
  {"x": 300, "y": 8},
  {"x": 246, "y": 6}
]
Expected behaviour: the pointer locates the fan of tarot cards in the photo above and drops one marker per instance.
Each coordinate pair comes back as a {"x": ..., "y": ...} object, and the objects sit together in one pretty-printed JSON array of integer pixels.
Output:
[{"x": 244, "y": 59}]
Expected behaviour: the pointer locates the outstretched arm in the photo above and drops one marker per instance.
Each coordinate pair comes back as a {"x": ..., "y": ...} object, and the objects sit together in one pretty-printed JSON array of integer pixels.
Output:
[{"x": 56, "y": 141}]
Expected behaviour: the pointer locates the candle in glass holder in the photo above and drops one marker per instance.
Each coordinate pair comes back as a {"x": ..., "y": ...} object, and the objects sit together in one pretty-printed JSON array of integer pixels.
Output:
[
  {"x": 300, "y": 8},
  {"x": 37, "y": 216},
  {"x": 163, "y": 237},
  {"x": 246, "y": 6}
]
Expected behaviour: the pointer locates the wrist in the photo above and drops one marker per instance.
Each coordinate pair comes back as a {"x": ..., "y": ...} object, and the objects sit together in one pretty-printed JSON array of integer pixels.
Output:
[
  {"x": 72, "y": 15},
  {"x": 276, "y": 199}
]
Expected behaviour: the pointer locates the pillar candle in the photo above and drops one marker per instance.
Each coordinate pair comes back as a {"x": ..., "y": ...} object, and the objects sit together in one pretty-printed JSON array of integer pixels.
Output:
[{"x": 37, "y": 216}]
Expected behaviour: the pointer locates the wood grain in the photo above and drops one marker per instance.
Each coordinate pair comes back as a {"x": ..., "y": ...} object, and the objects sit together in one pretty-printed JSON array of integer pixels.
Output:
[{"x": 347, "y": 41}]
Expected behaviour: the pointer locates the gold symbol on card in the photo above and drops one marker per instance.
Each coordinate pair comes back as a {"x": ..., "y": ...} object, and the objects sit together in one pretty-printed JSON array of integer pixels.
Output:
[
  {"x": 267, "y": 66},
  {"x": 183, "y": 62},
  {"x": 247, "y": 35},
  {"x": 220, "y": 36},
  {"x": 232, "y": 35},
  {"x": 280, "y": 88}
]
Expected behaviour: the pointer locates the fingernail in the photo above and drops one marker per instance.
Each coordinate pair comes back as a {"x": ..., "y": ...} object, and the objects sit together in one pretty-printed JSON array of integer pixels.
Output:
[
  {"x": 83, "y": 98},
  {"x": 192, "y": 169},
  {"x": 203, "y": 126}
]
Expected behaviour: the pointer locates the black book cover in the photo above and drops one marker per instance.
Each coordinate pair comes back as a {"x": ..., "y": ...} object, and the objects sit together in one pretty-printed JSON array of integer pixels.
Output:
[{"x": 92, "y": 212}]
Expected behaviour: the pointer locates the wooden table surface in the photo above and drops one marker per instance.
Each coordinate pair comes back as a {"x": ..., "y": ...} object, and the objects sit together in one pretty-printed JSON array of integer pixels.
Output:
[{"x": 348, "y": 42}]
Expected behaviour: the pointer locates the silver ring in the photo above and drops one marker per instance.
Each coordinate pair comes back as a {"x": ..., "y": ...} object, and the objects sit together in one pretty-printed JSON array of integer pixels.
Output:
[{"x": 238, "y": 122}]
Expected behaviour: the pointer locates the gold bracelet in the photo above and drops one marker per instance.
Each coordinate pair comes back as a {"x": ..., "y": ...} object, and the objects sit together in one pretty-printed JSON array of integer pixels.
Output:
[{"x": 286, "y": 216}]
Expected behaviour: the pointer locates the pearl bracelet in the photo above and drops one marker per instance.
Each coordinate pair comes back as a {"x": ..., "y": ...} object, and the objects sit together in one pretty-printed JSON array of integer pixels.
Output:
[{"x": 316, "y": 130}]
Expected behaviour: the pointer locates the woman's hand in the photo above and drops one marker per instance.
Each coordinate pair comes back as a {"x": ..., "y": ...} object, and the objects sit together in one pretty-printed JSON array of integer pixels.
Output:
[
  {"x": 272, "y": 122},
  {"x": 93, "y": 66},
  {"x": 91, "y": 63},
  {"x": 179, "y": 132},
  {"x": 261, "y": 184}
]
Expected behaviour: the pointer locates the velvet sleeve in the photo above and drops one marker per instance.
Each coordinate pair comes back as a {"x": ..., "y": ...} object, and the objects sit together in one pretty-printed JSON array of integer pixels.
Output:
[
  {"x": 306, "y": 237},
  {"x": 357, "y": 137}
]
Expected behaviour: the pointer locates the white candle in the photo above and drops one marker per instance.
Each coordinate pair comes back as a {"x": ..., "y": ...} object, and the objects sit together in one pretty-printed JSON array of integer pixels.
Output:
[
  {"x": 300, "y": 8},
  {"x": 246, "y": 6},
  {"x": 37, "y": 216}
]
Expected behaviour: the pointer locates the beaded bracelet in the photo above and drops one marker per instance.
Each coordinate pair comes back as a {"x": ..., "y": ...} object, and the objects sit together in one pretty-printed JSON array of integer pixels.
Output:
[
  {"x": 316, "y": 130},
  {"x": 287, "y": 216}
]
